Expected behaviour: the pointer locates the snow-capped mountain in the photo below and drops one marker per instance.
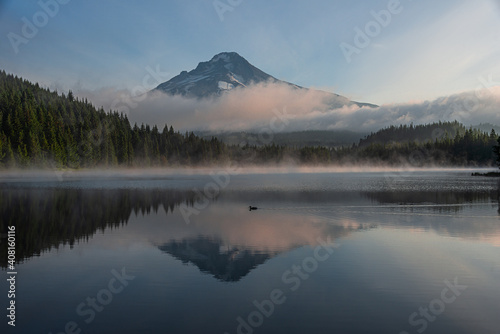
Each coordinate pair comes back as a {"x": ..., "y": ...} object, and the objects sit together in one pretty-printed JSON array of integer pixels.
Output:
[
  {"x": 222, "y": 73},
  {"x": 225, "y": 72}
]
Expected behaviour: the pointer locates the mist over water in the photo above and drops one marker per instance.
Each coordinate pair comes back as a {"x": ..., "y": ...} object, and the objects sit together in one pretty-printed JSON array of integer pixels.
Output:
[
  {"x": 34, "y": 175},
  {"x": 201, "y": 261},
  {"x": 263, "y": 206}
]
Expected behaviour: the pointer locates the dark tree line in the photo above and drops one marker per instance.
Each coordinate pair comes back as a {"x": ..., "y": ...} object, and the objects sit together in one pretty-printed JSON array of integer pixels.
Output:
[
  {"x": 496, "y": 150},
  {"x": 418, "y": 133},
  {"x": 41, "y": 128},
  {"x": 442, "y": 143},
  {"x": 437, "y": 144}
]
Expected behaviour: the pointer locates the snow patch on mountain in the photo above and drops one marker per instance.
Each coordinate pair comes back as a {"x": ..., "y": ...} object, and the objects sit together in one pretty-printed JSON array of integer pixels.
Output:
[
  {"x": 225, "y": 86},
  {"x": 223, "y": 56}
]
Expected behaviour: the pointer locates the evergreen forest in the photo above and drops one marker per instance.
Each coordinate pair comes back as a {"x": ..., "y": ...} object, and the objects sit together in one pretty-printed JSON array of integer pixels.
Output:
[{"x": 40, "y": 128}]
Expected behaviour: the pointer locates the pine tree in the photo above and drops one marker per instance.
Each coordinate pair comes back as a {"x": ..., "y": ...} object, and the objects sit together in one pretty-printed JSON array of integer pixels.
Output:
[
  {"x": 10, "y": 159},
  {"x": 3, "y": 147},
  {"x": 496, "y": 150}
]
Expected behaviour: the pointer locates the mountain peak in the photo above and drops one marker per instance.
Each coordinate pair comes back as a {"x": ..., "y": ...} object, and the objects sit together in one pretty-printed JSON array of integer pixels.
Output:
[
  {"x": 225, "y": 72},
  {"x": 226, "y": 57}
]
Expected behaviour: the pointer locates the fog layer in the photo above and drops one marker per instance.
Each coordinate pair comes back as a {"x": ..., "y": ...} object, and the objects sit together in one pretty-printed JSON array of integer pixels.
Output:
[{"x": 283, "y": 108}]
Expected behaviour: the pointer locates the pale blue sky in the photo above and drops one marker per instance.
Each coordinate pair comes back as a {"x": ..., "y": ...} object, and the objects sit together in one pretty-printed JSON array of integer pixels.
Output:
[{"x": 429, "y": 49}]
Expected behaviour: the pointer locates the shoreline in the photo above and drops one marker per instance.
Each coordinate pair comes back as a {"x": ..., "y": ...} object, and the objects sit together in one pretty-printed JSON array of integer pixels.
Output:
[
  {"x": 147, "y": 173},
  {"x": 489, "y": 174}
]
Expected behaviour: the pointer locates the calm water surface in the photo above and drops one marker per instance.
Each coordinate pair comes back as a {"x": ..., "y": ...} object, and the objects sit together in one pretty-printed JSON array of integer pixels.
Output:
[{"x": 383, "y": 252}]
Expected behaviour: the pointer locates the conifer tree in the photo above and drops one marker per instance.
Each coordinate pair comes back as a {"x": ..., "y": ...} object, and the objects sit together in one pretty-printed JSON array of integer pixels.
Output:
[{"x": 496, "y": 150}]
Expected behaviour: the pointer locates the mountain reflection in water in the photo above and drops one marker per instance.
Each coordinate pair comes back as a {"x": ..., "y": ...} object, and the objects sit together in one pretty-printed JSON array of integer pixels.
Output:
[
  {"x": 398, "y": 241},
  {"x": 46, "y": 218}
]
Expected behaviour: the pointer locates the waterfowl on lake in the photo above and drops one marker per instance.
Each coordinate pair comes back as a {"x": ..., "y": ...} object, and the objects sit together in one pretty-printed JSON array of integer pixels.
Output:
[{"x": 250, "y": 208}]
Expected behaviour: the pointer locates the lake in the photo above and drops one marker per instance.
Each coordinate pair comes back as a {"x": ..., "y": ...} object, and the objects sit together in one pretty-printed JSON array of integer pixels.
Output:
[{"x": 328, "y": 252}]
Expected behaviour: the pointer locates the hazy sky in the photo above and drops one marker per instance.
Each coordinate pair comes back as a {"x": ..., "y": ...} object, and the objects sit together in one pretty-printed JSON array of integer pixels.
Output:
[{"x": 426, "y": 49}]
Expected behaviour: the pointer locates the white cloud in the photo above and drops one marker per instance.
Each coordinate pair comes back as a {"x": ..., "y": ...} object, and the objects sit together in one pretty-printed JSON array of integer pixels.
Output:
[
  {"x": 256, "y": 107},
  {"x": 438, "y": 56}
]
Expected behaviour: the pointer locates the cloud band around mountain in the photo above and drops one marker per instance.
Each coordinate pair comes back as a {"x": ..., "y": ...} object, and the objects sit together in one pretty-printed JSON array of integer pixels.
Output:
[{"x": 255, "y": 107}]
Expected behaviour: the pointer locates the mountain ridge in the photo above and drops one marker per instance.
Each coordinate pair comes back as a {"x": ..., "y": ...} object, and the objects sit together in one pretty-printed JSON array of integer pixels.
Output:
[{"x": 227, "y": 71}]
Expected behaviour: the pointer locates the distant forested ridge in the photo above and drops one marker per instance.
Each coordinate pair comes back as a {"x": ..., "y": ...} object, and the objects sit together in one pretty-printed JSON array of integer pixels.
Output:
[
  {"x": 327, "y": 138},
  {"x": 442, "y": 143},
  {"x": 41, "y": 128}
]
